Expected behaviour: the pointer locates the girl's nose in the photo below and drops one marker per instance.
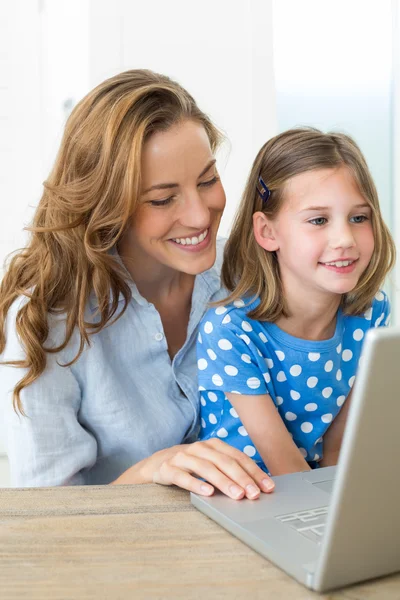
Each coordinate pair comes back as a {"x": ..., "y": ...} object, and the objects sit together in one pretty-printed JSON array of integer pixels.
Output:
[{"x": 342, "y": 237}]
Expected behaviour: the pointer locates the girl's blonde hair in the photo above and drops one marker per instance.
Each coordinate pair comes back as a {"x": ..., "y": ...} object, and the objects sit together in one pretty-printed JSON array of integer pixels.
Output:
[
  {"x": 249, "y": 270},
  {"x": 87, "y": 204}
]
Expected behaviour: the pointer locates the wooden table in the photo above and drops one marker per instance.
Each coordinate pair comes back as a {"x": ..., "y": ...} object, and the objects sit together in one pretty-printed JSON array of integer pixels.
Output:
[{"x": 145, "y": 541}]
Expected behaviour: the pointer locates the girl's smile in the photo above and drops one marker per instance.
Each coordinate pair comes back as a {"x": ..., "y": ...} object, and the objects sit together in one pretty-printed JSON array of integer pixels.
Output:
[{"x": 345, "y": 265}]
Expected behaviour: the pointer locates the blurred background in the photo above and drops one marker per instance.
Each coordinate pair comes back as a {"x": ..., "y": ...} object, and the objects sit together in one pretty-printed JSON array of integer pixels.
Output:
[{"x": 256, "y": 67}]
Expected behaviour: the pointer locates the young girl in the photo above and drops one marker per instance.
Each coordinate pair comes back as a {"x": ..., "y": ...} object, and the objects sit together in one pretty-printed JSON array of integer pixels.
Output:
[{"x": 305, "y": 261}]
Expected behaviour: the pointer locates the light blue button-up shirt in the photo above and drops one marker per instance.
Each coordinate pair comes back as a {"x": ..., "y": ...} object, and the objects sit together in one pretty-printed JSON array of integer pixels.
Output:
[{"x": 123, "y": 399}]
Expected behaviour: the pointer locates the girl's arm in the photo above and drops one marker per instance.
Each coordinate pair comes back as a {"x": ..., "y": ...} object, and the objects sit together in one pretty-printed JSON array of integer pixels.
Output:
[
  {"x": 268, "y": 432},
  {"x": 334, "y": 436}
]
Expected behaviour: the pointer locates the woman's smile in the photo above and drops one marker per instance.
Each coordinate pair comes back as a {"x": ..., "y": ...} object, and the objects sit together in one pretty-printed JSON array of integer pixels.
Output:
[{"x": 195, "y": 243}]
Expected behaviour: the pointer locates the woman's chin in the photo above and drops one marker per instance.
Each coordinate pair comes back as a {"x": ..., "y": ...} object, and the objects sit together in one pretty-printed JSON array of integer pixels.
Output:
[{"x": 196, "y": 264}]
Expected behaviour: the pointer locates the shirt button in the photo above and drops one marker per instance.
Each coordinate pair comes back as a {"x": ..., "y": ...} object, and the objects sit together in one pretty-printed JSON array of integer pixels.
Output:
[{"x": 159, "y": 337}]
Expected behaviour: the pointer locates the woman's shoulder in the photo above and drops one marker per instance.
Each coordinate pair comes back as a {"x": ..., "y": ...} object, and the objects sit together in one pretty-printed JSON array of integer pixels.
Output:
[{"x": 56, "y": 326}]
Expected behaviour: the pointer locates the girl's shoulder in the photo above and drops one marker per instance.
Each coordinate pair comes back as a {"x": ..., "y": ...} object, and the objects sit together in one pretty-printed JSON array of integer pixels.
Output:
[
  {"x": 380, "y": 309},
  {"x": 379, "y": 312},
  {"x": 232, "y": 313},
  {"x": 376, "y": 315}
]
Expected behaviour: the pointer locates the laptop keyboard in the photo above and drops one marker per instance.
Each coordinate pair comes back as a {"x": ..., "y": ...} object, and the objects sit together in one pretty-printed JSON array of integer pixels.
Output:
[{"x": 310, "y": 523}]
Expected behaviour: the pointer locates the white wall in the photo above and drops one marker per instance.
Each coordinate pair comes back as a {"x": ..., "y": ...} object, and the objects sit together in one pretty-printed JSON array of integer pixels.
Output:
[
  {"x": 44, "y": 62},
  {"x": 64, "y": 59},
  {"x": 396, "y": 147},
  {"x": 20, "y": 120},
  {"x": 20, "y": 125}
]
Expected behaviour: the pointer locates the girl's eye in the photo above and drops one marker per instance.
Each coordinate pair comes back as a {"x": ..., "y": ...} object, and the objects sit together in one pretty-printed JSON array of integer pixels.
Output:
[
  {"x": 161, "y": 202},
  {"x": 318, "y": 221},
  {"x": 359, "y": 219},
  {"x": 210, "y": 182}
]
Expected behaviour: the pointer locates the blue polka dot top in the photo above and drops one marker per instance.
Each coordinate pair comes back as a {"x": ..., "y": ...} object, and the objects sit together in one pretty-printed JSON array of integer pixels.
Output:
[{"x": 307, "y": 380}]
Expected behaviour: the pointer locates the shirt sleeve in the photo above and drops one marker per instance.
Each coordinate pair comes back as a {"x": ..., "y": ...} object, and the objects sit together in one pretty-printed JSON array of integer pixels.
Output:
[
  {"x": 228, "y": 360},
  {"x": 380, "y": 310},
  {"x": 48, "y": 446}
]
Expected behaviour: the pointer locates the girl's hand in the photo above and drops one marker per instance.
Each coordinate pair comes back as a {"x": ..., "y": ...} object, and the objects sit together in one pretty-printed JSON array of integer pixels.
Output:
[{"x": 222, "y": 467}]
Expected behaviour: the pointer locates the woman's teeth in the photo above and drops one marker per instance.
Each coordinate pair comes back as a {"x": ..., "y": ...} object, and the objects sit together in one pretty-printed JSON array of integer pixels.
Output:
[{"x": 193, "y": 241}]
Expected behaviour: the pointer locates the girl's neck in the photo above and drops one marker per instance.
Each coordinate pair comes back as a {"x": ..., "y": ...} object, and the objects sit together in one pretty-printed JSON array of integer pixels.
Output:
[{"x": 313, "y": 319}]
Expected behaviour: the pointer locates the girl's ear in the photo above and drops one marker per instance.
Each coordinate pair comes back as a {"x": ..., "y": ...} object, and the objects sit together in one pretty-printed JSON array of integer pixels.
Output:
[{"x": 264, "y": 232}]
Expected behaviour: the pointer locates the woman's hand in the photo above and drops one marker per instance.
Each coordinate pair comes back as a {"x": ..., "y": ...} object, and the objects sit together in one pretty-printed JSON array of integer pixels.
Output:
[{"x": 222, "y": 467}]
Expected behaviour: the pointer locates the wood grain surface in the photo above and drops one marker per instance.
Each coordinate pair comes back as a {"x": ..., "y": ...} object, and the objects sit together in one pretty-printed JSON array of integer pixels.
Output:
[{"x": 145, "y": 541}]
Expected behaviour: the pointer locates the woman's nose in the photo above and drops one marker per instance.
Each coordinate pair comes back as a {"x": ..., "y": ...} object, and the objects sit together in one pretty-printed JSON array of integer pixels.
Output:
[{"x": 195, "y": 212}]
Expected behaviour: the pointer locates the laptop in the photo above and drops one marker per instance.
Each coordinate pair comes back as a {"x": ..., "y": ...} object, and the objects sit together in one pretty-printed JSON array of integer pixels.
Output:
[{"x": 335, "y": 526}]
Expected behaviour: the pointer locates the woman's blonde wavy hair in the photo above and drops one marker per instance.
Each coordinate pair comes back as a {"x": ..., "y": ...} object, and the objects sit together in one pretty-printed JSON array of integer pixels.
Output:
[
  {"x": 88, "y": 202},
  {"x": 250, "y": 271}
]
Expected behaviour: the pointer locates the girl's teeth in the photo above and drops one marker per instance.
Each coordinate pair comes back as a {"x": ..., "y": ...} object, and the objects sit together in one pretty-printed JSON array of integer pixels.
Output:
[
  {"x": 340, "y": 263},
  {"x": 191, "y": 241}
]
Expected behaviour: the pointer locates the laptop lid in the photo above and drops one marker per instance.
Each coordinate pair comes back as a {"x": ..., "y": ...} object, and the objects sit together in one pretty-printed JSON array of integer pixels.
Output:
[{"x": 362, "y": 537}]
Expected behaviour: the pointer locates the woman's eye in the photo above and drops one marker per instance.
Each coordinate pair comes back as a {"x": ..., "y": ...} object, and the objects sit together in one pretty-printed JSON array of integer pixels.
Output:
[
  {"x": 209, "y": 182},
  {"x": 161, "y": 202},
  {"x": 318, "y": 221},
  {"x": 359, "y": 219}
]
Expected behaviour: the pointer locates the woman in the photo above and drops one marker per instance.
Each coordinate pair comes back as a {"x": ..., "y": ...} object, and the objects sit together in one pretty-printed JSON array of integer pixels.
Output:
[{"x": 99, "y": 313}]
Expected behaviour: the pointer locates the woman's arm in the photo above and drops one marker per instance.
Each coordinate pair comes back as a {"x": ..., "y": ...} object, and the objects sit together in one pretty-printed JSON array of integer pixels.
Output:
[
  {"x": 222, "y": 466},
  {"x": 268, "y": 433},
  {"x": 48, "y": 446}
]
